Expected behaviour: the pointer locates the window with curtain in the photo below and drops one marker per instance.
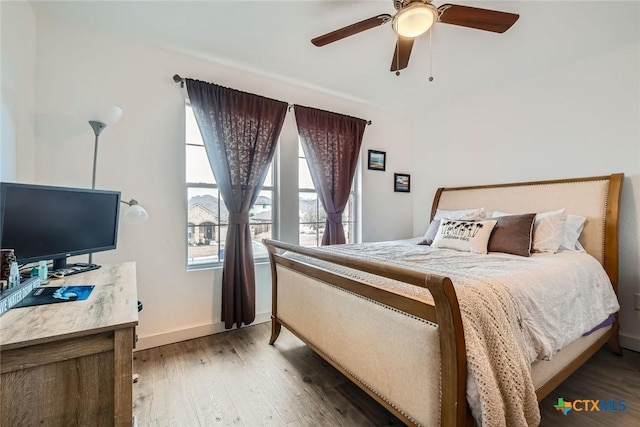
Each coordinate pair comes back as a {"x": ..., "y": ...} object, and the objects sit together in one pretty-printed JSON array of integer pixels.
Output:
[
  {"x": 207, "y": 215},
  {"x": 312, "y": 216}
]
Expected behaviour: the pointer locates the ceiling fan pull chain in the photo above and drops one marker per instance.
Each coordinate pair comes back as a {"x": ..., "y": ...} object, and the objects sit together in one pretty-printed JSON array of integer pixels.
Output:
[
  {"x": 430, "y": 56},
  {"x": 397, "y": 56}
]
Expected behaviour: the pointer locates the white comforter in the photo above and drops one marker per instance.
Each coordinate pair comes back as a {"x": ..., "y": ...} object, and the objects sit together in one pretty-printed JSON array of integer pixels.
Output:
[{"x": 559, "y": 296}]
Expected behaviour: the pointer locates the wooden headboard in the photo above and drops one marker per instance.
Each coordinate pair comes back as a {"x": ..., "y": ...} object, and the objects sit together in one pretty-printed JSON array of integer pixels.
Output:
[{"x": 596, "y": 198}]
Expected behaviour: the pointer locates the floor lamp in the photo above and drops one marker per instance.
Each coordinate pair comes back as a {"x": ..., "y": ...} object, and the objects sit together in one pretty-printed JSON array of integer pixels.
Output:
[{"x": 134, "y": 213}]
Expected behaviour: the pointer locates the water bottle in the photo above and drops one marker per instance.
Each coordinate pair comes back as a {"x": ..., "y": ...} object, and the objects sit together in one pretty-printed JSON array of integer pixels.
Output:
[
  {"x": 43, "y": 273},
  {"x": 14, "y": 275}
]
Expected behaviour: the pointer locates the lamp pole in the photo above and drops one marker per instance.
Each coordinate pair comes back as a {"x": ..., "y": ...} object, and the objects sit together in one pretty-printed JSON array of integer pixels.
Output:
[{"x": 97, "y": 128}]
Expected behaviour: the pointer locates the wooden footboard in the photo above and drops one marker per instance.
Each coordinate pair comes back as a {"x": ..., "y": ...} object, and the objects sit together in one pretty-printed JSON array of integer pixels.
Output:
[{"x": 445, "y": 313}]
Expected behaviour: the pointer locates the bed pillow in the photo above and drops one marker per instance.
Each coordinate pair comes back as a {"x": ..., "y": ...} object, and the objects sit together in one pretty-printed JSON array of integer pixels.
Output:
[
  {"x": 432, "y": 230},
  {"x": 548, "y": 230},
  {"x": 573, "y": 226},
  {"x": 468, "y": 214},
  {"x": 468, "y": 236},
  {"x": 513, "y": 234}
]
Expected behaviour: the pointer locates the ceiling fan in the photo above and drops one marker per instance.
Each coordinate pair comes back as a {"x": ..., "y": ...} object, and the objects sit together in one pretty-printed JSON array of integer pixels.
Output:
[{"x": 415, "y": 17}]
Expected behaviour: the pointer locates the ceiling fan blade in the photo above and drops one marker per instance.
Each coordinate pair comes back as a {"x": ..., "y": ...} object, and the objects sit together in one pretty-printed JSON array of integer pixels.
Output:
[
  {"x": 473, "y": 17},
  {"x": 402, "y": 53},
  {"x": 351, "y": 30}
]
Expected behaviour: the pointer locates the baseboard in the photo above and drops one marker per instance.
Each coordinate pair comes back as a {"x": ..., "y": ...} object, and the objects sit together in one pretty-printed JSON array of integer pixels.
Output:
[
  {"x": 190, "y": 333},
  {"x": 632, "y": 343}
]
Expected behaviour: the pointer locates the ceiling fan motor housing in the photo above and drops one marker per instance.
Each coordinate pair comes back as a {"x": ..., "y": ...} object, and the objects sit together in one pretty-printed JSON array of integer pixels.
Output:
[{"x": 399, "y": 4}]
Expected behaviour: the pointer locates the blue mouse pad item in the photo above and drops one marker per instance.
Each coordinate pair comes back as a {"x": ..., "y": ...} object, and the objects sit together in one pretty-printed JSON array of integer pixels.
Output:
[{"x": 55, "y": 294}]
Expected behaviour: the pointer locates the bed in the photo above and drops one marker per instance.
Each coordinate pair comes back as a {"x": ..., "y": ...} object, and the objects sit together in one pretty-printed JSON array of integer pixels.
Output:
[{"x": 426, "y": 341}]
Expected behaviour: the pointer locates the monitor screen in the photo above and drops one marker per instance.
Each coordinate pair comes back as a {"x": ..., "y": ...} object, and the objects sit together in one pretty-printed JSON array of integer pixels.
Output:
[{"x": 41, "y": 222}]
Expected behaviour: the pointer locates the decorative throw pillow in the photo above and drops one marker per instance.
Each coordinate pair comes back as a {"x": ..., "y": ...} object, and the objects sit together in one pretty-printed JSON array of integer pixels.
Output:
[
  {"x": 573, "y": 226},
  {"x": 469, "y": 236},
  {"x": 432, "y": 230},
  {"x": 467, "y": 214},
  {"x": 513, "y": 235},
  {"x": 548, "y": 230}
]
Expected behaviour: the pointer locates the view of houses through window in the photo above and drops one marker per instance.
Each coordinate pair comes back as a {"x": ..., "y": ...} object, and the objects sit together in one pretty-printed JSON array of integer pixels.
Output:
[
  {"x": 312, "y": 214},
  {"x": 207, "y": 217}
]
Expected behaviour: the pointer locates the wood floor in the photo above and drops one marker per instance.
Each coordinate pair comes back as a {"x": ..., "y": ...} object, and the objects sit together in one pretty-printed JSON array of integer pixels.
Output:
[{"x": 237, "y": 379}]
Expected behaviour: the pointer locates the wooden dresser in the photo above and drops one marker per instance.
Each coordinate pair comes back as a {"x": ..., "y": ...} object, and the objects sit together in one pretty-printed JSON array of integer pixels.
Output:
[{"x": 70, "y": 364}]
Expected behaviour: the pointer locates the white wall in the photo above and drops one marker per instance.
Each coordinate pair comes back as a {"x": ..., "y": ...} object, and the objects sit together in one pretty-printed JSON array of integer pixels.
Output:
[
  {"x": 17, "y": 90},
  {"x": 576, "y": 115},
  {"x": 143, "y": 156}
]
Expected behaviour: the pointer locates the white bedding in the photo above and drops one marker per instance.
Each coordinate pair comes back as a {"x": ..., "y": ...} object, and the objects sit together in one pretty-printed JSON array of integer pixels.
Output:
[
  {"x": 559, "y": 296},
  {"x": 556, "y": 298}
]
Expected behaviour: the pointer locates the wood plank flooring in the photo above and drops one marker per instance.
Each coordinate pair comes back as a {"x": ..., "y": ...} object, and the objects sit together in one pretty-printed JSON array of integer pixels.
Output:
[{"x": 237, "y": 379}]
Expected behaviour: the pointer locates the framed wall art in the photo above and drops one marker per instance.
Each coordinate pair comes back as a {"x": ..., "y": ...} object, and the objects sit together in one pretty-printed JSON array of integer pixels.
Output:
[
  {"x": 401, "y": 182},
  {"x": 377, "y": 160}
]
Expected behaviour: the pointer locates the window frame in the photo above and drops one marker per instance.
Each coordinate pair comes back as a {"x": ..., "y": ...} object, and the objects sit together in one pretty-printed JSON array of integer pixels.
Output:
[{"x": 273, "y": 188}]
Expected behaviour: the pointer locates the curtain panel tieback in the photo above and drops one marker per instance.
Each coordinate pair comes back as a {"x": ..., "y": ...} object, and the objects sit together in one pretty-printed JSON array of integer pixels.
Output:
[
  {"x": 335, "y": 218},
  {"x": 238, "y": 218}
]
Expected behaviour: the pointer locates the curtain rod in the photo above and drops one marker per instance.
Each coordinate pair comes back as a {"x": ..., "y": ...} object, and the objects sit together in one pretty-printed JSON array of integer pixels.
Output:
[{"x": 178, "y": 79}]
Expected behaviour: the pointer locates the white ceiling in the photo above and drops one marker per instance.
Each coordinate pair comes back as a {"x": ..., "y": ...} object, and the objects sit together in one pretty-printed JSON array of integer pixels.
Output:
[{"x": 273, "y": 38}]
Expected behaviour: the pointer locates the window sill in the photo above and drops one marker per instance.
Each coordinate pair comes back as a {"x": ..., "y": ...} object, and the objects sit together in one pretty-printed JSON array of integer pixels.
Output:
[{"x": 218, "y": 265}]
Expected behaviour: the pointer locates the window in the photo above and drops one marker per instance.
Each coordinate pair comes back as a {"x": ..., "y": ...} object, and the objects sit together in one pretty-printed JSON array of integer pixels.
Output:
[
  {"x": 312, "y": 216},
  {"x": 207, "y": 215}
]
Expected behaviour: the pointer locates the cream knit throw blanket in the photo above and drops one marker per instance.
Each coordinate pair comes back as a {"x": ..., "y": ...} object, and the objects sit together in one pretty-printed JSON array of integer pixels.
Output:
[{"x": 497, "y": 363}]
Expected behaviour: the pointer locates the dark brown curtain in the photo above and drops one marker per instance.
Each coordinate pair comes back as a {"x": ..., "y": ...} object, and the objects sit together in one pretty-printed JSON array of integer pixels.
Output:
[
  {"x": 240, "y": 131},
  {"x": 331, "y": 144}
]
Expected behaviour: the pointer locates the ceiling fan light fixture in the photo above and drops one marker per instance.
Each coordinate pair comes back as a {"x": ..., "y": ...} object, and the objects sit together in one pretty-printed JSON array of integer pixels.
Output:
[{"x": 414, "y": 19}]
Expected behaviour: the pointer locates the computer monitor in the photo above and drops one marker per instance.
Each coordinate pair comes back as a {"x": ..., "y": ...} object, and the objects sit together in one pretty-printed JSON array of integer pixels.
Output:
[{"x": 52, "y": 223}]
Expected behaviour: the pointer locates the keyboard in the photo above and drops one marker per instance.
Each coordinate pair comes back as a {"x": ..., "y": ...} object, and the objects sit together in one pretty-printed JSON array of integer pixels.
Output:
[{"x": 74, "y": 269}]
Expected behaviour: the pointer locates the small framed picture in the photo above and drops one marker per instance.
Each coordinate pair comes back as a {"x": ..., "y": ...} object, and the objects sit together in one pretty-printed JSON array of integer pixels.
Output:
[
  {"x": 377, "y": 160},
  {"x": 401, "y": 182}
]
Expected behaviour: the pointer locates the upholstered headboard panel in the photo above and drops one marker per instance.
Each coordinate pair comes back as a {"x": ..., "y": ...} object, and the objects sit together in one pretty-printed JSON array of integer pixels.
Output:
[{"x": 596, "y": 198}]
